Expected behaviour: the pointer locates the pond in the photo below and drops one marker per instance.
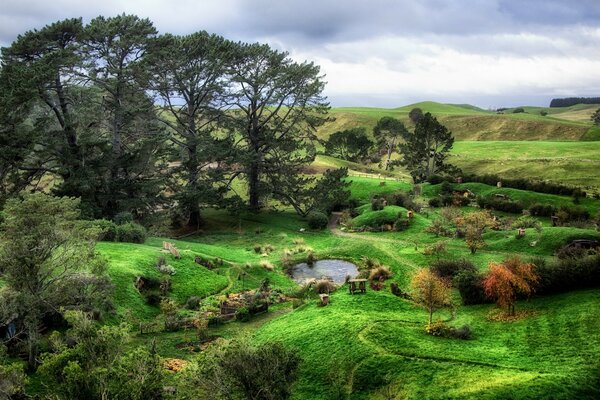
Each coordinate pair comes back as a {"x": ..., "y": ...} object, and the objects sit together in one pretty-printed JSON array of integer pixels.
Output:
[{"x": 337, "y": 270}]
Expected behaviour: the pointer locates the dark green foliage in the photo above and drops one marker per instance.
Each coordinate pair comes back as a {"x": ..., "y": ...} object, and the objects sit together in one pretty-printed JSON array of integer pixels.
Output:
[
  {"x": 415, "y": 115},
  {"x": 12, "y": 377},
  {"x": 377, "y": 203},
  {"x": 450, "y": 268},
  {"x": 317, "y": 220},
  {"x": 470, "y": 286},
  {"x": 261, "y": 373},
  {"x": 401, "y": 224},
  {"x": 405, "y": 200},
  {"x": 131, "y": 233},
  {"x": 446, "y": 187},
  {"x": 193, "y": 69},
  {"x": 571, "y": 273},
  {"x": 499, "y": 204},
  {"x": 388, "y": 133},
  {"x": 424, "y": 152},
  {"x": 572, "y": 213},
  {"x": 518, "y": 110},
  {"x": 542, "y": 210},
  {"x": 571, "y": 101},
  {"x": 442, "y": 330},
  {"x": 351, "y": 144},
  {"x": 92, "y": 362},
  {"x": 543, "y": 113},
  {"x": 527, "y": 184},
  {"x": 242, "y": 314},
  {"x": 279, "y": 106},
  {"x": 123, "y": 217},
  {"x": 596, "y": 117},
  {"x": 108, "y": 230},
  {"x": 435, "y": 202},
  {"x": 48, "y": 263}
]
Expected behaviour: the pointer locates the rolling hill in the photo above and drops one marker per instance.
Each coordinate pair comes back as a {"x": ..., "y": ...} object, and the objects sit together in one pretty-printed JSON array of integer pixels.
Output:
[{"x": 472, "y": 123}]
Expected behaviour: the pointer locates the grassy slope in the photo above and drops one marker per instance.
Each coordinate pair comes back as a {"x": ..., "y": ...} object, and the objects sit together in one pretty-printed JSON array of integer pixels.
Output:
[
  {"x": 574, "y": 163},
  {"x": 367, "y": 342},
  {"x": 471, "y": 123}
]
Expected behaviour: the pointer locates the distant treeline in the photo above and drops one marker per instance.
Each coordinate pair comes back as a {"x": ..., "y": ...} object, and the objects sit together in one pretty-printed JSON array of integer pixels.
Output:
[{"x": 571, "y": 101}]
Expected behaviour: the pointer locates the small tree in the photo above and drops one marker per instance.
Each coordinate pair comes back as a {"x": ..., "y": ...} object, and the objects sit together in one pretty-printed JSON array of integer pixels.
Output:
[
  {"x": 415, "y": 115},
  {"x": 388, "y": 133},
  {"x": 49, "y": 263},
  {"x": 474, "y": 225},
  {"x": 351, "y": 144},
  {"x": 424, "y": 152},
  {"x": 596, "y": 117},
  {"x": 430, "y": 291},
  {"x": 506, "y": 280}
]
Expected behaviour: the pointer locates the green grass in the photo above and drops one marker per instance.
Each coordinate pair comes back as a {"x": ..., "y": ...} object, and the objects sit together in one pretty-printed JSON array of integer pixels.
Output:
[
  {"x": 573, "y": 163},
  {"x": 471, "y": 123},
  {"x": 365, "y": 344}
]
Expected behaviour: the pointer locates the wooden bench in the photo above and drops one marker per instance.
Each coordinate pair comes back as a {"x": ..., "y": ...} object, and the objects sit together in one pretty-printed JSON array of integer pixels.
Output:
[{"x": 357, "y": 285}]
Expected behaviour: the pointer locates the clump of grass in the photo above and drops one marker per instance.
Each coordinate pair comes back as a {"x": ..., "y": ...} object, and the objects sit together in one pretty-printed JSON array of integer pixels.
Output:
[
  {"x": 380, "y": 273},
  {"x": 311, "y": 259},
  {"x": 323, "y": 286},
  {"x": 298, "y": 241},
  {"x": 267, "y": 265}
]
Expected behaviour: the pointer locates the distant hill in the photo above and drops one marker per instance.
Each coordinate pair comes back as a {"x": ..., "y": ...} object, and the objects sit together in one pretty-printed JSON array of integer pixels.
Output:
[{"x": 468, "y": 122}]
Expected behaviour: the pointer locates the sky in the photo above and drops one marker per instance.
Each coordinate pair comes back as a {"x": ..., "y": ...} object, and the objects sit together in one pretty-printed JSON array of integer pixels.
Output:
[{"x": 386, "y": 53}]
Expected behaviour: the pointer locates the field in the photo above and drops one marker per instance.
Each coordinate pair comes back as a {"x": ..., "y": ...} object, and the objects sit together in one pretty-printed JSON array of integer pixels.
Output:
[{"x": 366, "y": 346}]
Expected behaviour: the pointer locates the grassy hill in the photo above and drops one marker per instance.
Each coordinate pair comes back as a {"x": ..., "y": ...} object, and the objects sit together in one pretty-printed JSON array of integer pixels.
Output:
[{"x": 471, "y": 123}]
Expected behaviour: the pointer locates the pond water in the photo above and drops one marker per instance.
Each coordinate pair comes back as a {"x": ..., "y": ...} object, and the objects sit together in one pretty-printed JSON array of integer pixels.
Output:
[{"x": 337, "y": 270}]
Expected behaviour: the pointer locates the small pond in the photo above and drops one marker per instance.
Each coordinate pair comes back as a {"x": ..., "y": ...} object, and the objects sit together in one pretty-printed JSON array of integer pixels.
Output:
[{"x": 337, "y": 270}]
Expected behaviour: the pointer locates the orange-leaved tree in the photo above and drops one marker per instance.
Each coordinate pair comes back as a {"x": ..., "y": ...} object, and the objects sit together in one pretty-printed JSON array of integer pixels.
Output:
[
  {"x": 506, "y": 280},
  {"x": 473, "y": 225},
  {"x": 430, "y": 291}
]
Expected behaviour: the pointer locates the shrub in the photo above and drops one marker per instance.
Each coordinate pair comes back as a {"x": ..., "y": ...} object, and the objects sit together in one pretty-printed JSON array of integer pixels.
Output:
[
  {"x": 526, "y": 184},
  {"x": 152, "y": 298},
  {"x": 470, "y": 286},
  {"x": 193, "y": 302},
  {"x": 526, "y": 222},
  {"x": 494, "y": 203},
  {"x": 377, "y": 204},
  {"x": 380, "y": 273},
  {"x": 404, "y": 200},
  {"x": 123, "y": 217},
  {"x": 324, "y": 286},
  {"x": 451, "y": 268},
  {"x": 543, "y": 113},
  {"x": 435, "y": 202},
  {"x": 267, "y": 265},
  {"x": 518, "y": 110},
  {"x": 436, "y": 179},
  {"x": 257, "y": 248},
  {"x": 311, "y": 258},
  {"x": 166, "y": 269},
  {"x": 317, "y": 220},
  {"x": 572, "y": 213},
  {"x": 401, "y": 224},
  {"x": 438, "y": 228},
  {"x": 242, "y": 314},
  {"x": 568, "y": 274},
  {"x": 440, "y": 329},
  {"x": 446, "y": 187},
  {"x": 542, "y": 210},
  {"x": 108, "y": 230},
  {"x": 131, "y": 233}
]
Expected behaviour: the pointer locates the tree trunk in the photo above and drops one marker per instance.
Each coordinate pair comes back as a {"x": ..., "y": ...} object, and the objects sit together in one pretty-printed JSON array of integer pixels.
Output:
[
  {"x": 32, "y": 345},
  {"x": 253, "y": 187},
  {"x": 430, "y": 316}
]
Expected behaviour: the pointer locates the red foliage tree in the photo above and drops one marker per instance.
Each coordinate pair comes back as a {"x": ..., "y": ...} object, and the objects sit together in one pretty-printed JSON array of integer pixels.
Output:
[{"x": 506, "y": 280}]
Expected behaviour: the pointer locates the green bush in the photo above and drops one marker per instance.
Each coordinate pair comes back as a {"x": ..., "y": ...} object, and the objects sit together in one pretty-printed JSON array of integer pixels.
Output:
[
  {"x": 108, "y": 230},
  {"x": 518, "y": 110},
  {"x": 131, "y": 233},
  {"x": 494, "y": 203},
  {"x": 451, "y": 268},
  {"x": 435, "y": 202},
  {"x": 440, "y": 329},
  {"x": 317, "y": 220},
  {"x": 123, "y": 218},
  {"x": 542, "y": 210},
  {"x": 470, "y": 286},
  {"x": 242, "y": 314}
]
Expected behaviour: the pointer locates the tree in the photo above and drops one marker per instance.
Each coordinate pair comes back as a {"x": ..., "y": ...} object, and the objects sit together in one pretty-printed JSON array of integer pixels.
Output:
[
  {"x": 46, "y": 117},
  {"x": 506, "y": 280},
  {"x": 431, "y": 292},
  {"x": 307, "y": 195},
  {"x": 279, "y": 104},
  {"x": 97, "y": 364},
  {"x": 415, "y": 115},
  {"x": 351, "y": 144},
  {"x": 596, "y": 117},
  {"x": 188, "y": 74},
  {"x": 113, "y": 49},
  {"x": 388, "y": 133},
  {"x": 473, "y": 226},
  {"x": 243, "y": 371},
  {"x": 48, "y": 262},
  {"x": 425, "y": 150}
]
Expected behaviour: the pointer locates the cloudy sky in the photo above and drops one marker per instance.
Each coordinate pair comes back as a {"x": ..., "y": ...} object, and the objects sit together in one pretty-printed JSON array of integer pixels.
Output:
[{"x": 490, "y": 53}]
